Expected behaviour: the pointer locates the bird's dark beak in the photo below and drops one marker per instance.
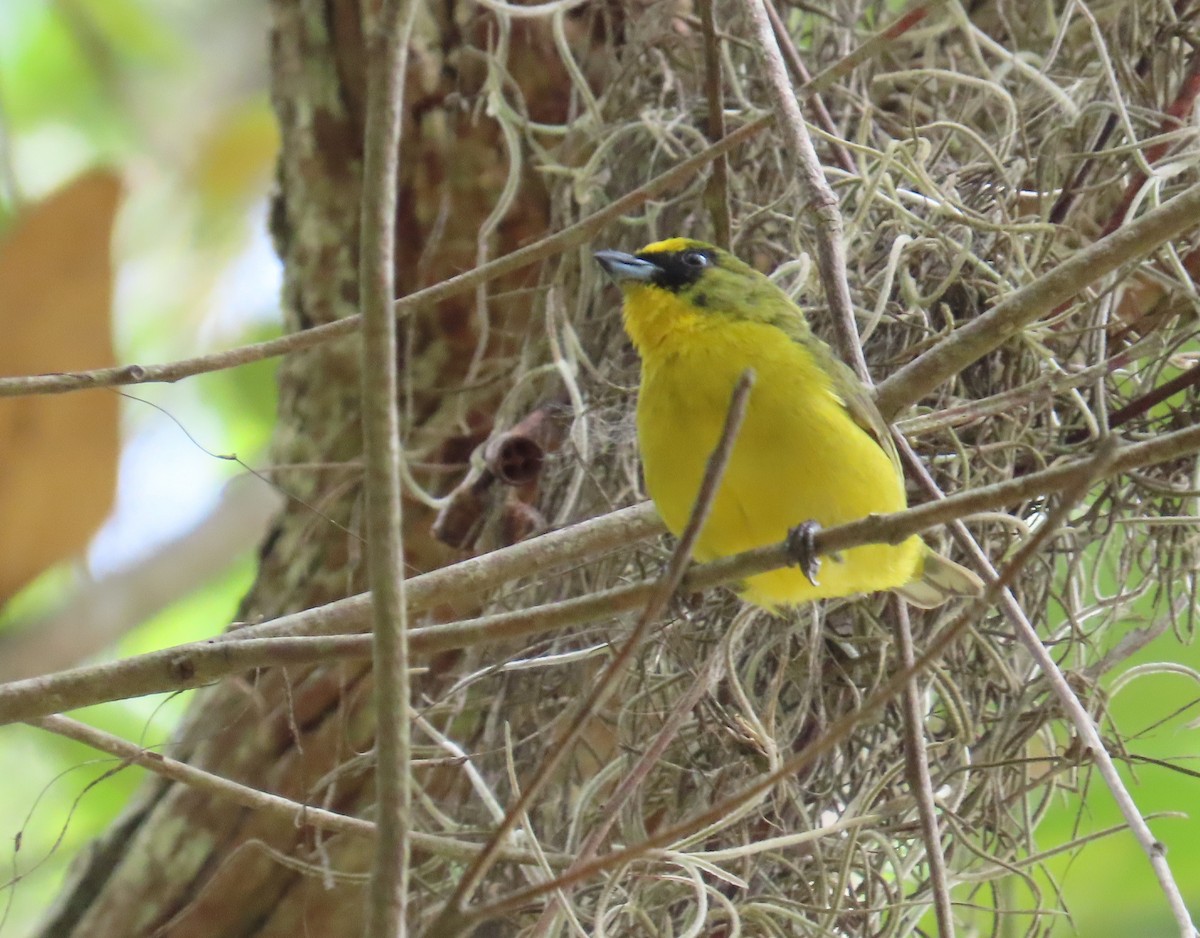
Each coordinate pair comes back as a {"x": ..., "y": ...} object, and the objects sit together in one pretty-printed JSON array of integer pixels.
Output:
[{"x": 621, "y": 266}]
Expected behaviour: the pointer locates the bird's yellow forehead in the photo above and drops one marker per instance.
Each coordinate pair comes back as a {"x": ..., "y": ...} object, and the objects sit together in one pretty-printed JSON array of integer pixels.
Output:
[{"x": 667, "y": 246}]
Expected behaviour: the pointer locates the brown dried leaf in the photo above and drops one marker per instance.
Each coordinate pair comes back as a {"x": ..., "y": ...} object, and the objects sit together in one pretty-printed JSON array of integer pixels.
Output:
[{"x": 58, "y": 454}]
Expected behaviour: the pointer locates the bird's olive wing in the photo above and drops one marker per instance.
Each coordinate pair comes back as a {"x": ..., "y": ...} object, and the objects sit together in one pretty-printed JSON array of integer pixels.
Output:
[
  {"x": 853, "y": 394},
  {"x": 770, "y": 304}
]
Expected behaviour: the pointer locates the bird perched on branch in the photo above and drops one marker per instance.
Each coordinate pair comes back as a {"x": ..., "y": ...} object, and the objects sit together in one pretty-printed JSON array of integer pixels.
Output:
[{"x": 812, "y": 448}]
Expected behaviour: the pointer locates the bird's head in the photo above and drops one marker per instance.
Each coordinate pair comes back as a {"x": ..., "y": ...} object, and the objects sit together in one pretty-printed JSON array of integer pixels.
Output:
[{"x": 672, "y": 283}]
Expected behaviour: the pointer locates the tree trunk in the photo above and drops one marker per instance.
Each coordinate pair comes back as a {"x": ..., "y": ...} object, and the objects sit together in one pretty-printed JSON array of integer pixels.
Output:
[{"x": 178, "y": 862}]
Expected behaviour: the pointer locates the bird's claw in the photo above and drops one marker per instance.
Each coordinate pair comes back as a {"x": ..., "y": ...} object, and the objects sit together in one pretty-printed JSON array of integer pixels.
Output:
[{"x": 802, "y": 548}]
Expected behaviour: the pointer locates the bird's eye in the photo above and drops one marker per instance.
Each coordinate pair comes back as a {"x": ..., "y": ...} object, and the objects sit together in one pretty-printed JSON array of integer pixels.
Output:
[{"x": 695, "y": 258}]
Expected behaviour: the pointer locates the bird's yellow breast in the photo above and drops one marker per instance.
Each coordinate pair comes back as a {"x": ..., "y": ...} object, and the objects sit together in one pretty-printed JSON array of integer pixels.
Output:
[{"x": 800, "y": 456}]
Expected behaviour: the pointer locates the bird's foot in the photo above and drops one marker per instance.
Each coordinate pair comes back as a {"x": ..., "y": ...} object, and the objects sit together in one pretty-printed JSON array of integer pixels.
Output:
[{"x": 802, "y": 548}]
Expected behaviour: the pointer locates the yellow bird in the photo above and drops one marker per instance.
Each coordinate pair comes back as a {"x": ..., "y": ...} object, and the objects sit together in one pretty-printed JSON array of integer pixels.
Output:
[{"x": 812, "y": 447}]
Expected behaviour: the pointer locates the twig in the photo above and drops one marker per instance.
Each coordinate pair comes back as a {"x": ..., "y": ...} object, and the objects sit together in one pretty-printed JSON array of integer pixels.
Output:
[
  {"x": 802, "y": 76},
  {"x": 1155, "y": 851},
  {"x": 388, "y": 34},
  {"x": 573, "y": 236},
  {"x": 918, "y": 774},
  {"x": 1174, "y": 117},
  {"x": 1003, "y": 321},
  {"x": 716, "y": 194},
  {"x": 296, "y": 814},
  {"x": 449, "y": 922},
  {"x": 171, "y": 669},
  {"x": 169, "y": 372},
  {"x": 200, "y": 663},
  {"x": 831, "y": 250},
  {"x": 292, "y": 812},
  {"x": 1167, "y": 389},
  {"x": 474, "y": 577},
  {"x": 1006, "y": 402}
]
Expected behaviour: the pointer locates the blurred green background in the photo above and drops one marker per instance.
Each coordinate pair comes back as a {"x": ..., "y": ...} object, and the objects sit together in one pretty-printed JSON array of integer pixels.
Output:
[{"x": 169, "y": 98}]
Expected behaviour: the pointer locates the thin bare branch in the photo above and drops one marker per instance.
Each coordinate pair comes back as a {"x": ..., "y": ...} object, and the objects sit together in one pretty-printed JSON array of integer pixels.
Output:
[
  {"x": 473, "y": 578},
  {"x": 578, "y": 234},
  {"x": 296, "y": 814},
  {"x": 717, "y": 192},
  {"x": 972, "y": 341},
  {"x": 918, "y": 774},
  {"x": 293, "y": 812},
  {"x": 831, "y": 250},
  {"x": 388, "y": 33},
  {"x": 802, "y": 76}
]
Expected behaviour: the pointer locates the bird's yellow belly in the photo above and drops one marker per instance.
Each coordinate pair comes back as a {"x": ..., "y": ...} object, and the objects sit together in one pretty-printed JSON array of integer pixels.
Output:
[{"x": 799, "y": 457}]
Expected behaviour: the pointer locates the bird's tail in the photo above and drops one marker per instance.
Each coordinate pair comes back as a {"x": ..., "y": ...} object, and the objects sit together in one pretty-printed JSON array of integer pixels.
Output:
[{"x": 940, "y": 581}]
